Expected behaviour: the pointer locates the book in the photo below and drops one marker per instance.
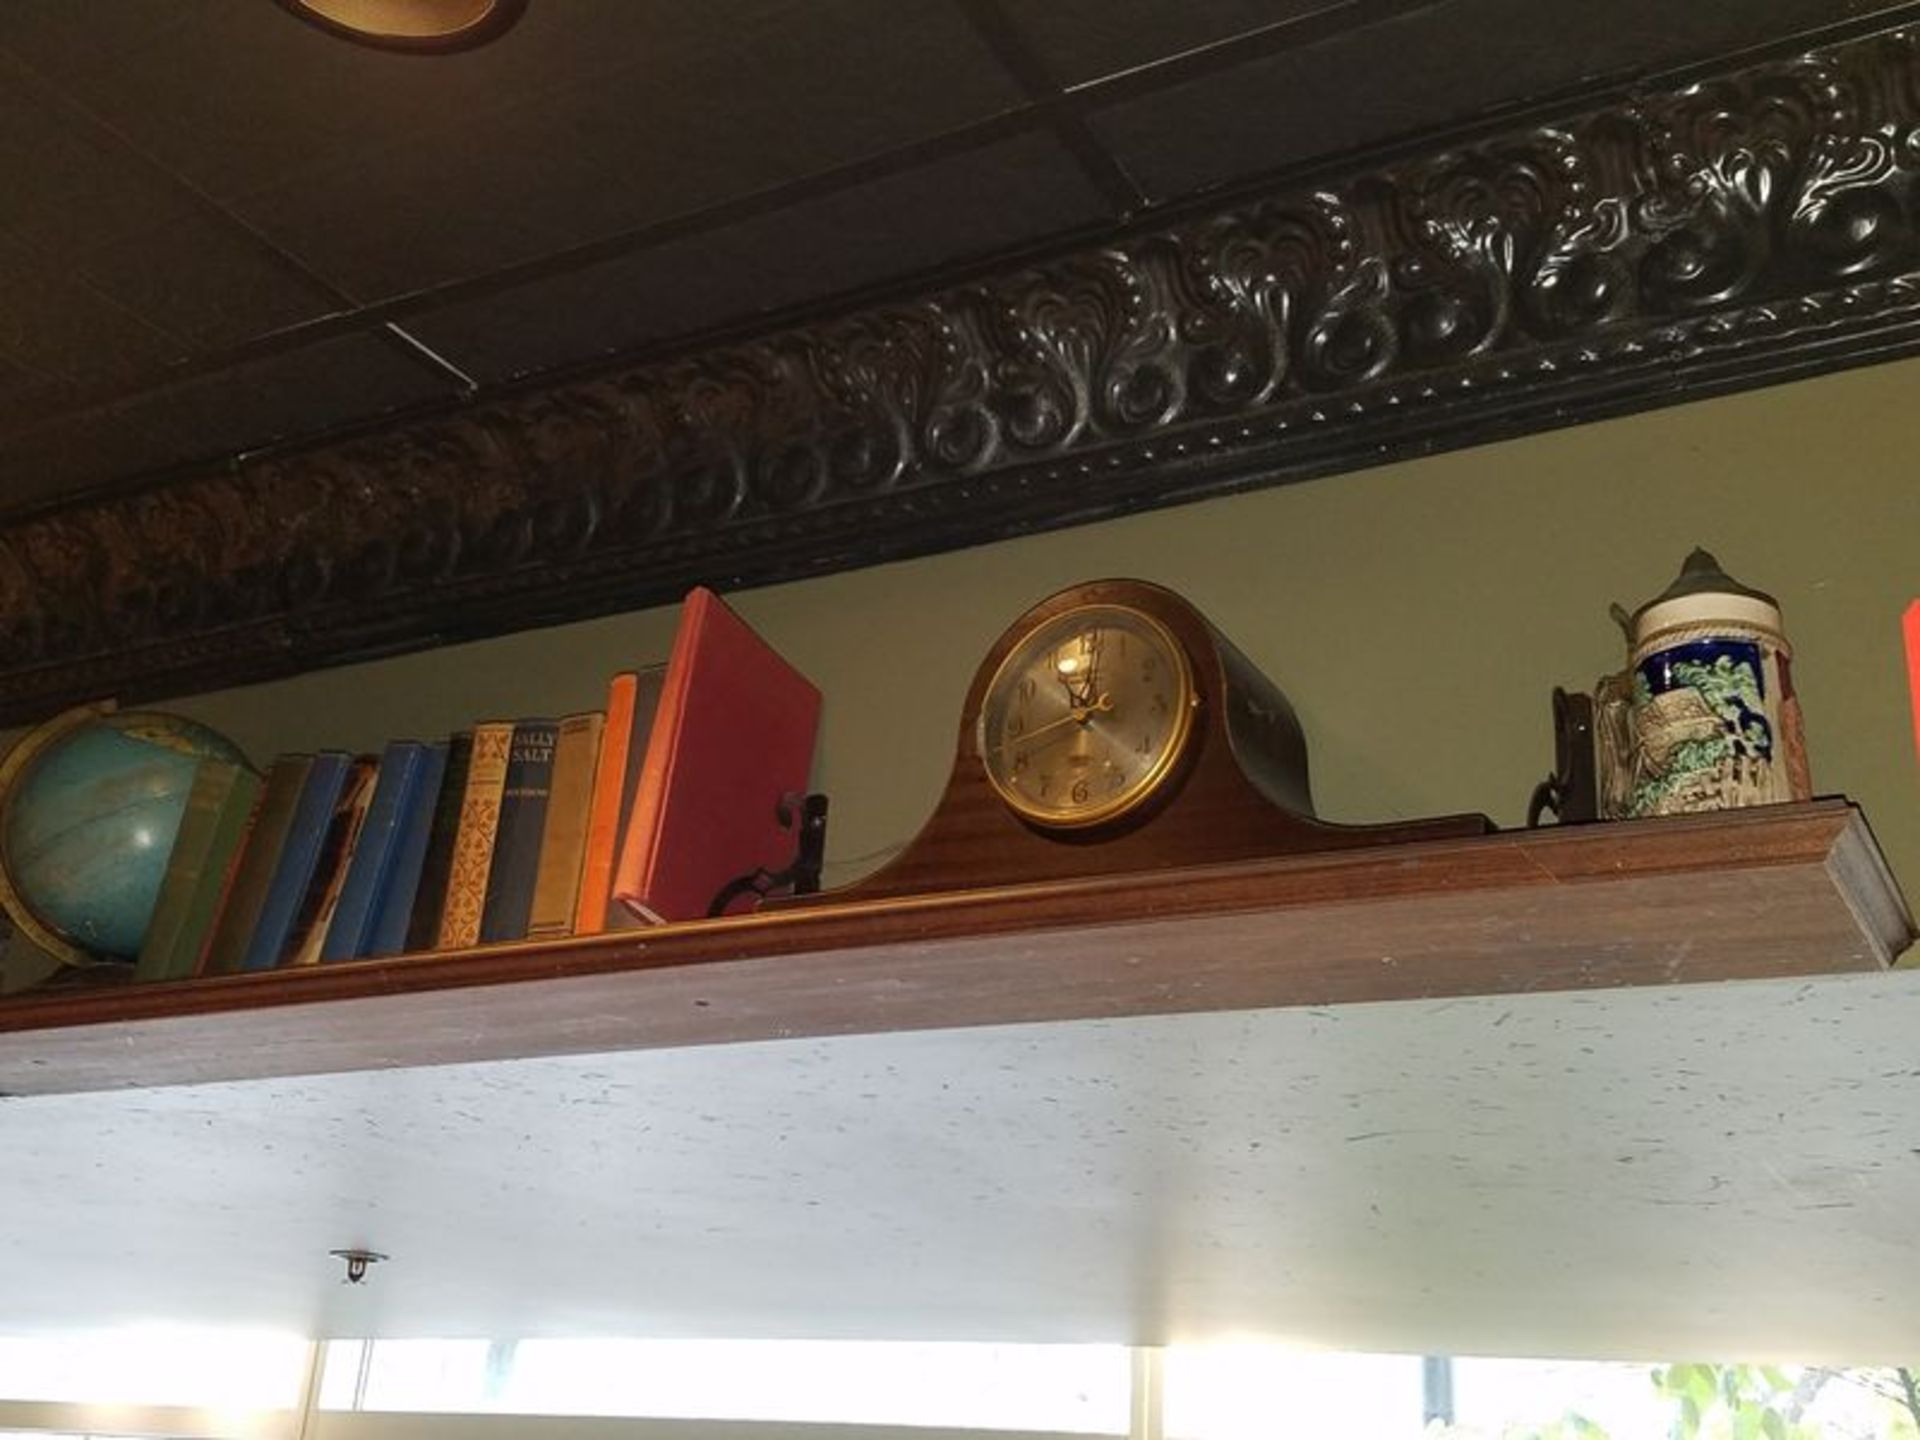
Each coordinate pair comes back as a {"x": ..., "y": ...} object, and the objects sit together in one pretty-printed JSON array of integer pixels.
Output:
[
  {"x": 218, "y": 804},
  {"x": 523, "y": 823},
  {"x": 430, "y": 895},
  {"x": 1910, "y": 632},
  {"x": 563, "y": 844},
  {"x": 733, "y": 735},
  {"x": 197, "y": 963},
  {"x": 306, "y": 833},
  {"x": 632, "y": 698},
  {"x": 314, "y": 918},
  {"x": 472, "y": 859},
  {"x": 394, "y": 903},
  {"x": 350, "y": 930},
  {"x": 247, "y": 890}
]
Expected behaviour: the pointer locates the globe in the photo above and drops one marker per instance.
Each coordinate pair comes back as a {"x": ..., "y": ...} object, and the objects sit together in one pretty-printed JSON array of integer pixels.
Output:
[{"x": 89, "y": 806}]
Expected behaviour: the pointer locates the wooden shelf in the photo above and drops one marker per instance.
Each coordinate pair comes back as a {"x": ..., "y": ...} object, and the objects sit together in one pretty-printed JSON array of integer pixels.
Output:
[
  {"x": 1543, "y": 1146},
  {"x": 1779, "y": 891}
]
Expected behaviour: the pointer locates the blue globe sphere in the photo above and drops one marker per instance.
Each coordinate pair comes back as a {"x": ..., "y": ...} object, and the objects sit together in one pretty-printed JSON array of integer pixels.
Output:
[{"x": 88, "y": 822}]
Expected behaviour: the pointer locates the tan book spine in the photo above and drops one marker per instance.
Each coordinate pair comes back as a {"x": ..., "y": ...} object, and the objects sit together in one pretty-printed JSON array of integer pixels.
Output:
[
  {"x": 473, "y": 847},
  {"x": 563, "y": 842}
]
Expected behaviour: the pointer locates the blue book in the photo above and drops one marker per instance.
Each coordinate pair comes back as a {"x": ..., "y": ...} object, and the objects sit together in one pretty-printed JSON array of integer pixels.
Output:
[
  {"x": 373, "y": 852},
  {"x": 523, "y": 824},
  {"x": 312, "y": 815},
  {"x": 393, "y": 906}
]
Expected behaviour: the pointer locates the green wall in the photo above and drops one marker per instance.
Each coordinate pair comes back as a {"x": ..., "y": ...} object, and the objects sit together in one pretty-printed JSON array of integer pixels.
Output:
[{"x": 1418, "y": 614}]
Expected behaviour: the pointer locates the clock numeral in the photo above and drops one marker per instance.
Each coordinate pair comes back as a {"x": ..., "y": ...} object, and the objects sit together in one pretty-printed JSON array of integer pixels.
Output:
[
  {"x": 1081, "y": 791},
  {"x": 1117, "y": 781},
  {"x": 1017, "y": 724},
  {"x": 1026, "y": 689},
  {"x": 1159, "y": 704},
  {"x": 1020, "y": 760},
  {"x": 1046, "y": 783},
  {"x": 1145, "y": 747},
  {"x": 1147, "y": 668}
]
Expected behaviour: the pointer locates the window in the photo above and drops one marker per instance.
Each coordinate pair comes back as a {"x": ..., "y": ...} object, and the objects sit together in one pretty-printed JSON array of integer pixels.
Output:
[
  {"x": 1266, "y": 1392},
  {"x": 219, "y": 1369},
  {"x": 1081, "y": 1389},
  {"x": 209, "y": 1386}
]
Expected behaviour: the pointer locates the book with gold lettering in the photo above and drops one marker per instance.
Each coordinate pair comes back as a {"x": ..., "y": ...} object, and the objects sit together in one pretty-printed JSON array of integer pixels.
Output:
[
  {"x": 563, "y": 844},
  {"x": 516, "y": 841},
  {"x": 472, "y": 859}
]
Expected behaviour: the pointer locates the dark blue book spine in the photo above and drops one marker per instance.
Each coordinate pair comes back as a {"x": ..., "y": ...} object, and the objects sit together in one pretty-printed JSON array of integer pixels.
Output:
[
  {"x": 523, "y": 823},
  {"x": 372, "y": 853},
  {"x": 298, "y": 856},
  {"x": 393, "y": 906}
]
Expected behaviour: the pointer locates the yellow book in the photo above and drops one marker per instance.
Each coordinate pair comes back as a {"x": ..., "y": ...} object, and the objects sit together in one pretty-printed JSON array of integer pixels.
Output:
[
  {"x": 473, "y": 845},
  {"x": 563, "y": 842}
]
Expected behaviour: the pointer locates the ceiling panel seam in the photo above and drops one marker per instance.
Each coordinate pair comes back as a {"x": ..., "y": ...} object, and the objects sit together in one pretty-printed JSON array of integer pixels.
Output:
[
  {"x": 1296, "y": 32},
  {"x": 372, "y": 317},
  {"x": 375, "y": 317},
  {"x": 50, "y": 90},
  {"x": 999, "y": 34},
  {"x": 52, "y": 93}
]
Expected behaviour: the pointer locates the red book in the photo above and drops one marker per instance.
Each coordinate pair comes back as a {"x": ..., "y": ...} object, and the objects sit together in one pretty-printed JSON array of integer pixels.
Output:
[
  {"x": 1911, "y": 628},
  {"x": 734, "y": 732}
]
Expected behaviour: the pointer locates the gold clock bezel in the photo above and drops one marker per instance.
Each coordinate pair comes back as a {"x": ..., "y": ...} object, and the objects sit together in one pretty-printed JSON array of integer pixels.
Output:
[{"x": 1149, "y": 784}]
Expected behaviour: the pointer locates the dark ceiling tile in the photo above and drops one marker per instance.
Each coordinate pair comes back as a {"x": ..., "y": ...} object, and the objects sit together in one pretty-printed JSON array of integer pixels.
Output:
[
  {"x": 53, "y": 322},
  {"x": 967, "y": 206},
  {"x": 307, "y": 391},
  {"x": 1427, "y": 68},
  {"x": 1082, "y": 40},
  {"x": 27, "y": 396},
  {"x": 94, "y": 209},
  {"x": 232, "y": 93},
  {"x": 65, "y": 455},
  {"x": 65, "y": 179},
  {"x": 202, "y": 280},
  {"x": 418, "y": 218},
  {"x": 393, "y": 172},
  {"x": 286, "y": 397}
]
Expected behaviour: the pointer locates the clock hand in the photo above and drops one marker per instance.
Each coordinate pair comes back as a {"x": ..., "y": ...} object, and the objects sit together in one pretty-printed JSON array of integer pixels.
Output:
[
  {"x": 1095, "y": 643},
  {"x": 1071, "y": 717},
  {"x": 1079, "y": 671},
  {"x": 1078, "y": 715}
]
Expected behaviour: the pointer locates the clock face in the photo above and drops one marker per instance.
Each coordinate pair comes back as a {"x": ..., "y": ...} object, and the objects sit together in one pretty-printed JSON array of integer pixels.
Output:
[{"x": 1084, "y": 719}]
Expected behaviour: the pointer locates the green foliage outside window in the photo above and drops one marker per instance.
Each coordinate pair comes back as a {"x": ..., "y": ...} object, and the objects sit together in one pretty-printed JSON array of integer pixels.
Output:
[{"x": 1756, "y": 1402}]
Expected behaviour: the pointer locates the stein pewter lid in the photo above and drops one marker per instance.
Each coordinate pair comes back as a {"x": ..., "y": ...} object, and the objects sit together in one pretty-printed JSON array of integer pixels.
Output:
[{"x": 1701, "y": 594}]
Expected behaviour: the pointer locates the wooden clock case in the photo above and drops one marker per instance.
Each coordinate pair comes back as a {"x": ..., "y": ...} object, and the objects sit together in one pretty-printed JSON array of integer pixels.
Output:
[{"x": 1239, "y": 790}]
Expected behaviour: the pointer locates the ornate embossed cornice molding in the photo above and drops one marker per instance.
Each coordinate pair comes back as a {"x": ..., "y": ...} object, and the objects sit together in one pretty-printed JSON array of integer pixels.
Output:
[{"x": 1748, "y": 227}]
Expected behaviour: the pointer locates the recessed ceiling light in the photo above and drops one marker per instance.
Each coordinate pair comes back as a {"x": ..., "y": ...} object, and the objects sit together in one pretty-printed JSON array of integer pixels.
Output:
[{"x": 433, "y": 26}]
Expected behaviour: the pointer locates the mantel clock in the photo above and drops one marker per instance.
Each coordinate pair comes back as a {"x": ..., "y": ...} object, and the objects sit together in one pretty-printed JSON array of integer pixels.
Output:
[{"x": 1111, "y": 729}]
